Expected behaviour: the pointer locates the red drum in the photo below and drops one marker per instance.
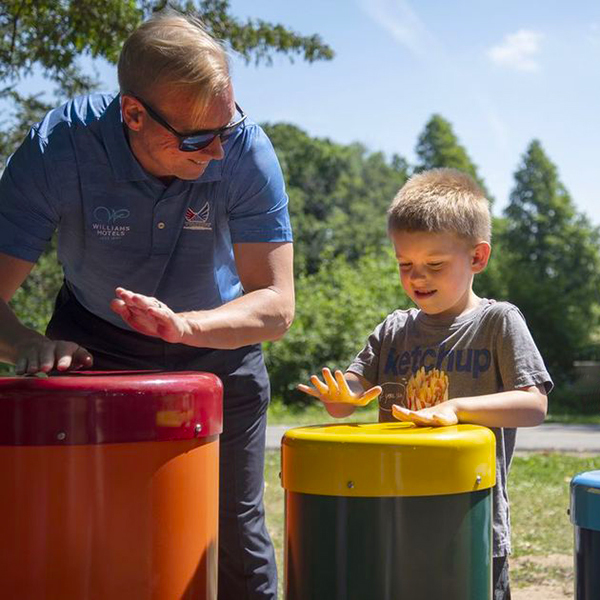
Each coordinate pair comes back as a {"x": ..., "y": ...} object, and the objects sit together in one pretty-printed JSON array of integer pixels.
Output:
[{"x": 109, "y": 486}]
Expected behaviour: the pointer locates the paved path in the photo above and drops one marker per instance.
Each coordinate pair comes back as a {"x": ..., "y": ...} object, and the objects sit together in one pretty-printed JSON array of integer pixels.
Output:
[{"x": 550, "y": 436}]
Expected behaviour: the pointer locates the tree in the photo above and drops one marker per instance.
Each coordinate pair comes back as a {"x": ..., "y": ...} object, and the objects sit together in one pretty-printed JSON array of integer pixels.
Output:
[
  {"x": 52, "y": 36},
  {"x": 336, "y": 309},
  {"x": 439, "y": 147},
  {"x": 339, "y": 195},
  {"x": 553, "y": 262},
  {"x": 255, "y": 40}
]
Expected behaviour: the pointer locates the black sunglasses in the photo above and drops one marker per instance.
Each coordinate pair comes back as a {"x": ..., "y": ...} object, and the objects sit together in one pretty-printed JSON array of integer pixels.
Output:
[{"x": 199, "y": 139}]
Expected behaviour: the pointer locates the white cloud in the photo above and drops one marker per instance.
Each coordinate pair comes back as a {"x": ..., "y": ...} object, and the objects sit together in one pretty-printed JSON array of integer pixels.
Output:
[
  {"x": 498, "y": 128},
  {"x": 593, "y": 35},
  {"x": 403, "y": 23},
  {"x": 518, "y": 51},
  {"x": 399, "y": 19}
]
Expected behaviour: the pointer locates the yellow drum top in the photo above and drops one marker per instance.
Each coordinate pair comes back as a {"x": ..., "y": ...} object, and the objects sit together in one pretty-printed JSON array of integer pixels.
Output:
[{"x": 387, "y": 459}]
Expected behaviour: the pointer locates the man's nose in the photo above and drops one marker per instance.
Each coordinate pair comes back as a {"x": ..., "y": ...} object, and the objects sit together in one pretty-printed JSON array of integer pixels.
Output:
[{"x": 214, "y": 150}]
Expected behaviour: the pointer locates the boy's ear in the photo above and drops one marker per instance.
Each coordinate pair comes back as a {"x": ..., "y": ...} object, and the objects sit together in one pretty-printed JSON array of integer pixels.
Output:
[{"x": 480, "y": 256}]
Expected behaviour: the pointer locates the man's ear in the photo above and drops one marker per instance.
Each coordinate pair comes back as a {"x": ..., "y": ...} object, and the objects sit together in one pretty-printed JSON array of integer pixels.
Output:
[
  {"x": 480, "y": 256},
  {"x": 133, "y": 115}
]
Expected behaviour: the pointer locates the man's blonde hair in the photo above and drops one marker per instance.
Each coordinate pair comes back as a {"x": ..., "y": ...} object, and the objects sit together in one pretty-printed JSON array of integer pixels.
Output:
[
  {"x": 173, "y": 50},
  {"x": 442, "y": 200}
]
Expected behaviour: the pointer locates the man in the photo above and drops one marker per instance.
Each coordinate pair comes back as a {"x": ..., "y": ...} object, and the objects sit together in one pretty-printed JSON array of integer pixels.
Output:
[{"x": 175, "y": 242}]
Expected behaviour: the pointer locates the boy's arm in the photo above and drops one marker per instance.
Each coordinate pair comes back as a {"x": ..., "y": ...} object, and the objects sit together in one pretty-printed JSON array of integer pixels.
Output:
[
  {"x": 524, "y": 407},
  {"x": 341, "y": 392}
]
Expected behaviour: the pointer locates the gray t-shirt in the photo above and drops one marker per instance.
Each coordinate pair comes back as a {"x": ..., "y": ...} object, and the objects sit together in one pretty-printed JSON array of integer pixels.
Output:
[{"x": 485, "y": 351}]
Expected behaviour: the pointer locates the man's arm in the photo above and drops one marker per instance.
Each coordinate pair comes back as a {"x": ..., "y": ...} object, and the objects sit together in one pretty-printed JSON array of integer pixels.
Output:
[
  {"x": 524, "y": 407},
  {"x": 265, "y": 312},
  {"x": 25, "y": 348}
]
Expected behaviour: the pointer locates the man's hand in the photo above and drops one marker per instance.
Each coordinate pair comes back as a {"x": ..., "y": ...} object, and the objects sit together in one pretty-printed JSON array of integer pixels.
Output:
[
  {"x": 40, "y": 354},
  {"x": 149, "y": 316},
  {"x": 335, "y": 390},
  {"x": 440, "y": 415}
]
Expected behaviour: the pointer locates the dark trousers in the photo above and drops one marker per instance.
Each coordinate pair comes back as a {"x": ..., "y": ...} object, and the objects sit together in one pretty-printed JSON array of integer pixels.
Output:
[
  {"x": 247, "y": 568},
  {"x": 500, "y": 578}
]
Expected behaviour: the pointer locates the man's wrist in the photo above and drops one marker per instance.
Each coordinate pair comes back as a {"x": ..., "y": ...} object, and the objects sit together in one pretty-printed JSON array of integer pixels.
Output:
[{"x": 192, "y": 333}]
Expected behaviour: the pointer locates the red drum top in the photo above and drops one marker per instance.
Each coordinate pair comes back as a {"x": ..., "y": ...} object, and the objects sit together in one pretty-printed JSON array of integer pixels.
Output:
[{"x": 95, "y": 407}]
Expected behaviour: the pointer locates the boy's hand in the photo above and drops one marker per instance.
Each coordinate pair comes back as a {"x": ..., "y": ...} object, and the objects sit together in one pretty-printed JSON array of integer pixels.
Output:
[
  {"x": 335, "y": 390},
  {"x": 440, "y": 415}
]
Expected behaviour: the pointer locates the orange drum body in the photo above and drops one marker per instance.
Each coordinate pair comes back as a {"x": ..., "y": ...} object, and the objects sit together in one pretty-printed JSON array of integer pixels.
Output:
[{"x": 109, "y": 486}]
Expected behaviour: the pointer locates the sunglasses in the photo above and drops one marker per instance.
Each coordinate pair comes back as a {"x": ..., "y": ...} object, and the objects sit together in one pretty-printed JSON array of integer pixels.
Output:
[{"x": 199, "y": 139}]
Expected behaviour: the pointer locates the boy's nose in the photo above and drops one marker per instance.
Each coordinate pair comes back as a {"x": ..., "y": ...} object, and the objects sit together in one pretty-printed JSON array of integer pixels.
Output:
[{"x": 417, "y": 274}]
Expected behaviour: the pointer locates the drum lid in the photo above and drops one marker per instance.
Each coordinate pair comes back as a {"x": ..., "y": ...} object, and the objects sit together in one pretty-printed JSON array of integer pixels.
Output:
[{"x": 101, "y": 407}]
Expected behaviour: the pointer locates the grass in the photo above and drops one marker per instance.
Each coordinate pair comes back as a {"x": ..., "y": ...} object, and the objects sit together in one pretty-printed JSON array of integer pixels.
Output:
[
  {"x": 573, "y": 418},
  {"x": 314, "y": 412},
  {"x": 539, "y": 495},
  {"x": 539, "y": 499}
]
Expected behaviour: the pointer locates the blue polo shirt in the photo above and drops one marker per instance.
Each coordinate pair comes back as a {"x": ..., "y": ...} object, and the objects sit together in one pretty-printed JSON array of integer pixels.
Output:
[{"x": 120, "y": 226}]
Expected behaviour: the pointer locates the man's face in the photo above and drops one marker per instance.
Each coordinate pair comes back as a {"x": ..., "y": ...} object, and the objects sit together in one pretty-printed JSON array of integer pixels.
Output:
[
  {"x": 157, "y": 148},
  {"x": 436, "y": 271}
]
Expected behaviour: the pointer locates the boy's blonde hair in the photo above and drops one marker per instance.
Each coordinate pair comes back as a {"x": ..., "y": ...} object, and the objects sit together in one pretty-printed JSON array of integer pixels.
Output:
[
  {"x": 173, "y": 50},
  {"x": 442, "y": 200}
]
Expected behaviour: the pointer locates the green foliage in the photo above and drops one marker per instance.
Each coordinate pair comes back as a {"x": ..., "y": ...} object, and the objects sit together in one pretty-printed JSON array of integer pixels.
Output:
[
  {"x": 336, "y": 309},
  {"x": 338, "y": 195},
  {"x": 25, "y": 111},
  {"x": 256, "y": 39},
  {"x": 545, "y": 259},
  {"x": 52, "y": 34},
  {"x": 552, "y": 262},
  {"x": 576, "y": 398},
  {"x": 34, "y": 301},
  {"x": 439, "y": 147},
  {"x": 490, "y": 283}
]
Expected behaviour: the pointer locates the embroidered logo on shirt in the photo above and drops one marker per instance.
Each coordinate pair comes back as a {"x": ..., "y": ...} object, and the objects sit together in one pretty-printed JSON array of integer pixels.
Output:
[
  {"x": 105, "y": 222},
  {"x": 198, "y": 220}
]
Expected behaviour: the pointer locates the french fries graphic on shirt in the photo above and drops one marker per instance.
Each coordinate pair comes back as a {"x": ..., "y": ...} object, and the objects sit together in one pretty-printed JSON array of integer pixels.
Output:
[{"x": 426, "y": 388}]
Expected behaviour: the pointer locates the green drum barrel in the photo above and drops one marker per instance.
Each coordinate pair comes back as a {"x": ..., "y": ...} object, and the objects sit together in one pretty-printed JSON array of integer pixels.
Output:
[{"x": 388, "y": 511}]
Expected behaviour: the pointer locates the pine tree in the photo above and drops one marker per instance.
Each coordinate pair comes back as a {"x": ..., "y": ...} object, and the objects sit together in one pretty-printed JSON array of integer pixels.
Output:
[
  {"x": 438, "y": 147},
  {"x": 553, "y": 262}
]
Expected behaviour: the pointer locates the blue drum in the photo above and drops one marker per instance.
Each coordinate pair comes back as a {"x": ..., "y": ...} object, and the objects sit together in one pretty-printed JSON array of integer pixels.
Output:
[{"x": 585, "y": 516}]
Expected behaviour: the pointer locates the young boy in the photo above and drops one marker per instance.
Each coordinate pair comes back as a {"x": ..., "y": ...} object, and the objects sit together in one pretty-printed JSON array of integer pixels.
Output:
[{"x": 457, "y": 358}]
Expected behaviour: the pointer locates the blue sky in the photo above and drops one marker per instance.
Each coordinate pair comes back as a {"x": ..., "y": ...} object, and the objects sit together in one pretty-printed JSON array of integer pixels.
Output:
[{"x": 502, "y": 72}]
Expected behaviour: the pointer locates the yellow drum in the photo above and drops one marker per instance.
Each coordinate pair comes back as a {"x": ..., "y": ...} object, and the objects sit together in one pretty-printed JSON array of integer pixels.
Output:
[{"x": 388, "y": 510}]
